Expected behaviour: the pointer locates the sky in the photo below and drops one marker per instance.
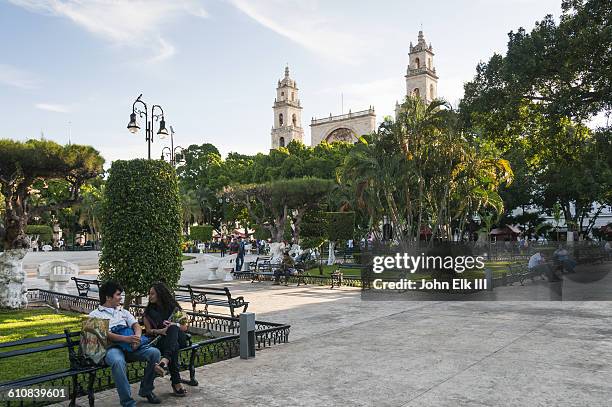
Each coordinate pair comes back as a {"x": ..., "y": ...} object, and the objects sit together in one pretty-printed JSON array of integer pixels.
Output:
[{"x": 71, "y": 69}]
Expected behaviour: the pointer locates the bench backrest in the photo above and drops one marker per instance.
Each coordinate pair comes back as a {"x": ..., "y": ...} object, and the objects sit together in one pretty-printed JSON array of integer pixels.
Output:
[
  {"x": 41, "y": 343},
  {"x": 83, "y": 285},
  {"x": 199, "y": 291}
]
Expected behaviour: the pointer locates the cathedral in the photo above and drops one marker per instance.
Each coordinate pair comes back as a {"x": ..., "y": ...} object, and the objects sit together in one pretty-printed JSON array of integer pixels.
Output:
[{"x": 421, "y": 80}]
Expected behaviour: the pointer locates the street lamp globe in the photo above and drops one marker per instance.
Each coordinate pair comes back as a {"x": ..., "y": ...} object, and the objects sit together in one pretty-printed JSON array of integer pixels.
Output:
[
  {"x": 163, "y": 132},
  {"x": 132, "y": 126}
]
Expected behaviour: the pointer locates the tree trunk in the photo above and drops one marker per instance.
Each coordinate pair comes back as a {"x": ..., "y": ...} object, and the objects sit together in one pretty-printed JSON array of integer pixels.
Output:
[
  {"x": 331, "y": 259},
  {"x": 12, "y": 278}
]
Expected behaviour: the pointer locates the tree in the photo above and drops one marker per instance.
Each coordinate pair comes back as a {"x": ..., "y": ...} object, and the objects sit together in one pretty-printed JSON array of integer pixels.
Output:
[
  {"x": 534, "y": 101},
  {"x": 203, "y": 233},
  {"x": 272, "y": 204},
  {"x": 141, "y": 225},
  {"x": 22, "y": 164},
  {"x": 422, "y": 171}
]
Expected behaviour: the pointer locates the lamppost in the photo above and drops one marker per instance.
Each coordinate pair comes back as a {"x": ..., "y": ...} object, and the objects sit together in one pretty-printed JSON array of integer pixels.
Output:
[
  {"x": 133, "y": 126},
  {"x": 171, "y": 152}
]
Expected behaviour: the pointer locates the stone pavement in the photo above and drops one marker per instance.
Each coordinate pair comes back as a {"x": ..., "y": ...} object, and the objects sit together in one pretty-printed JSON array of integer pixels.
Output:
[{"x": 345, "y": 351}]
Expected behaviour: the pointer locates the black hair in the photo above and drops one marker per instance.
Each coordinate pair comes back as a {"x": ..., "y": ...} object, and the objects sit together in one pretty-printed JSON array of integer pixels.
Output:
[
  {"x": 108, "y": 289},
  {"x": 165, "y": 300}
]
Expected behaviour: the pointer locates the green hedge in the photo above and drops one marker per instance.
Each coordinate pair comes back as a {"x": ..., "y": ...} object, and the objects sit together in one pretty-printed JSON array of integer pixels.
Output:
[
  {"x": 141, "y": 226},
  {"x": 45, "y": 232},
  {"x": 203, "y": 233},
  {"x": 313, "y": 229}
]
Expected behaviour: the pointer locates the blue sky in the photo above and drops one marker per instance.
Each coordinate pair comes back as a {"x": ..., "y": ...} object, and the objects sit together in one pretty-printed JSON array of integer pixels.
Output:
[{"x": 74, "y": 67}]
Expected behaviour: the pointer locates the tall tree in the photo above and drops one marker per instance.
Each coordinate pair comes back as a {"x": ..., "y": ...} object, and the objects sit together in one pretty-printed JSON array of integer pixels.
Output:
[{"x": 22, "y": 164}]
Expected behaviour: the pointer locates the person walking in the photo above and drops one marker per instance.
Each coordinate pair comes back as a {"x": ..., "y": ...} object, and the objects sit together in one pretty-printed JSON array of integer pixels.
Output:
[
  {"x": 222, "y": 247},
  {"x": 240, "y": 254}
]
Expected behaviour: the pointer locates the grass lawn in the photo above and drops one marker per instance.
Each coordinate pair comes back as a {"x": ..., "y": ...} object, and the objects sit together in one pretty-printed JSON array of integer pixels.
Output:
[
  {"x": 185, "y": 257},
  {"x": 30, "y": 323},
  {"x": 34, "y": 322}
]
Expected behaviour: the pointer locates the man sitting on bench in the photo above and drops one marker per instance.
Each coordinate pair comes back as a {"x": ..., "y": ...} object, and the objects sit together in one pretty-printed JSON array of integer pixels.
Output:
[
  {"x": 538, "y": 264},
  {"x": 109, "y": 308},
  {"x": 286, "y": 269}
]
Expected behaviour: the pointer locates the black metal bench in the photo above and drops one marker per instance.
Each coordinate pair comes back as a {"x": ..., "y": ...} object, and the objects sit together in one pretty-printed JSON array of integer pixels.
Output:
[
  {"x": 265, "y": 269},
  {"x": 338, "y": 276},
  {"x": 69, "y": 341},
  {"x": 84, "y": 286},
  {"x": 521, "y": 272},
  {"x": 217, "y": 297}
]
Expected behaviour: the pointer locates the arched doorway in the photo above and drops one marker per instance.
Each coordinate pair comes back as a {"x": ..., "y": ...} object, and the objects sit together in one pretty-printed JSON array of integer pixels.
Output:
[{"x": 341, "y": 134}]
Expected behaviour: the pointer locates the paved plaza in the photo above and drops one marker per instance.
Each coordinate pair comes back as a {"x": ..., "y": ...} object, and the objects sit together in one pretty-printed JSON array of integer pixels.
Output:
[{"x": 345, "y": 351}]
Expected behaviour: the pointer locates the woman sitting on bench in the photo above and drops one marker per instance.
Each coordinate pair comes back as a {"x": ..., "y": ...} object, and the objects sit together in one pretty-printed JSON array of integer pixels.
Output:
[{"x": 163, "y": 316}]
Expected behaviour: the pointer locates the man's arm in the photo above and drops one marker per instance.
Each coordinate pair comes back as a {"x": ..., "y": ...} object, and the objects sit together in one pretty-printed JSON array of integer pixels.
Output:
[{"x": 117, "y": 338}]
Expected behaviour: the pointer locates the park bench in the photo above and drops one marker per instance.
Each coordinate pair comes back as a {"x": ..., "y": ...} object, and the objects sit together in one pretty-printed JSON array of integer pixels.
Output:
[
  {"x": 338, "y": 276},
  {"x": 70, "y": 342},
  {"x": 58, "y": 273},
  {"x": 84, "y": 286},
  {"x": 592, "y": 254},
  {"x": 265, "y": 269},
  {"x": 210, "y": 296},
  {"x": 521, "y": 272}
]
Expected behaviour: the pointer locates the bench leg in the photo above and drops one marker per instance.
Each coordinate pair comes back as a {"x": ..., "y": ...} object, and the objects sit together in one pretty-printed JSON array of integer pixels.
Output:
[
  {"x": 192, "y": 380},
  {"x": 75, "y": 390},
  {"x": 90, "y": 389}
]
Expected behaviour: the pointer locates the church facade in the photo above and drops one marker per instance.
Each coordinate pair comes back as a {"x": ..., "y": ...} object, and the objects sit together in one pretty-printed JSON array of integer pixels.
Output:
[{"x": 421, "y": 80}]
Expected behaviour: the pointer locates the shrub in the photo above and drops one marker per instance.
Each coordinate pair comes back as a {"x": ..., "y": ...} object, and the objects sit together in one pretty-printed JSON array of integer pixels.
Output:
[
  {"x": 203, "y": 233},
  {"x": 45, "y": 232},
  {"x": 141, "y": 226},
  {"x": 313, "y": 229}
]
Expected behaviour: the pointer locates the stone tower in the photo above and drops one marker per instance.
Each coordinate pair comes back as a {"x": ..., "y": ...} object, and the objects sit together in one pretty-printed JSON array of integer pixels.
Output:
[
  {"x": 421, "y": 78},
  {"x": 287, "y": 113}
]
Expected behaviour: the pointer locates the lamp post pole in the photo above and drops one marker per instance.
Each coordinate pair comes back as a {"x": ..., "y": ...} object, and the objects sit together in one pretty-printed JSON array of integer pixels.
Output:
[
  {"x": 171, "y": 152},
  {"x": 143, "y": 111}
]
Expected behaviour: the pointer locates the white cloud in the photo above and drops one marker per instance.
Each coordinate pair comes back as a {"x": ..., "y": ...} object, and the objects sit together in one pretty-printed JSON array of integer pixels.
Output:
[
  {"x": 301, "y": 22},
  {"x": 53, "y": 107},
  {"x": 134, "y": 23},
  {"x": 12, "y": 76}
]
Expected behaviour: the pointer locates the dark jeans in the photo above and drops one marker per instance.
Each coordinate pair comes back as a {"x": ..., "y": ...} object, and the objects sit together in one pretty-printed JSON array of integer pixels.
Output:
[
  {"x": 239, "y": 262},
  {"x": 547, "y": 270},
  {"x": 169, "y": 346},
  {"x": 278, "y": 273}
]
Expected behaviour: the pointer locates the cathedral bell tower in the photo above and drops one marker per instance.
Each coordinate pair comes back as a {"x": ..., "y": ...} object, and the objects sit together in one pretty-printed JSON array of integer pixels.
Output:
[
  {"x": 421, "y": 78},
  {"x": 287, "y": 113}
]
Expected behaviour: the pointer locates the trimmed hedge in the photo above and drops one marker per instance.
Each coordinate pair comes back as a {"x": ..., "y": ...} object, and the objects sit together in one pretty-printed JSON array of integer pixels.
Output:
[
  {"x": 203, "y": 233},
  {"x": 45, "y": 232},
  {"x": 142, "y": 226},
  {"x": 313, "y": 229}
]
